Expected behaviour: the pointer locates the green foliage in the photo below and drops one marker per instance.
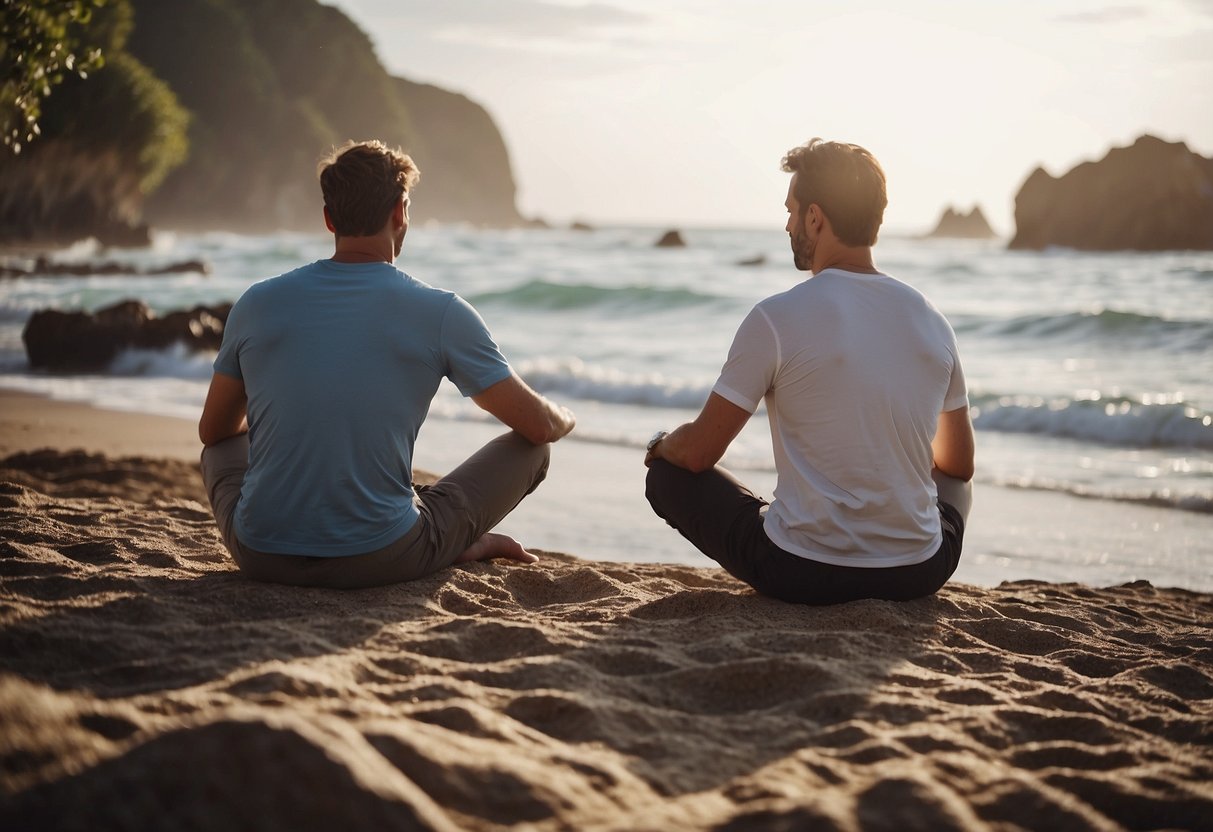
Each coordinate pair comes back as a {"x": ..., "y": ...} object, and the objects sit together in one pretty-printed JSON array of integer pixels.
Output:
[
  {"x": 122, "y": 108},
  {"x": 107, "y": 138},
  {"x": 42, "y": 43}
]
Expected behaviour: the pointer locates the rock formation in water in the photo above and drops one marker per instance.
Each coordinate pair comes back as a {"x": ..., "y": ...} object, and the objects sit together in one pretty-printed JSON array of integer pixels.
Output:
[
  {"x": 671, "y": 239},
  {"x": 80, "y": 342},
  {"x": 44, "y": 267},
  {"x": 972, "y": 226},
  {"x": 1152, "y": 196}
]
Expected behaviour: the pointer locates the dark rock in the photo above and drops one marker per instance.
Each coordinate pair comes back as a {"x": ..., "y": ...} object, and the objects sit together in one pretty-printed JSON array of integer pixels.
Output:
[
  {"x": 1152, "y": 196},
  {"x": 44, "y": 267},
  {"x": 756, "y": 260},
  {"x": 79, "y": 342},
  {"x": 182, "y": 267},
  {"x": 578, "y": 225},
  {"x": 671, "y": 239},
  {"x": 971, "y": 226}
]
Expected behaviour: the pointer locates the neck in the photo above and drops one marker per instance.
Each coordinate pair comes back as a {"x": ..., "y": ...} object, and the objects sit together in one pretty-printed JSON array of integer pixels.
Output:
[
  {"x": 846, "y": 258},
  {"x": 377, "y": 249}
]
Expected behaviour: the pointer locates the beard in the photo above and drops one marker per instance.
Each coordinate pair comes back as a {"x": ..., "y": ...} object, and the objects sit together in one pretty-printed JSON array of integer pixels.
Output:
[{"x": 803, "y": 250}]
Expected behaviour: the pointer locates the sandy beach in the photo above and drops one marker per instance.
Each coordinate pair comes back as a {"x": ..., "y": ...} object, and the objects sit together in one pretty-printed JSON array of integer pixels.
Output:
[{"x": 145, "y": 685}]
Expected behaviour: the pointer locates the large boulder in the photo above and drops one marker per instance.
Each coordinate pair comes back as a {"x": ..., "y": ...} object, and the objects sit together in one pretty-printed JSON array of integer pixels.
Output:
[
  {"x": 972, "y": 226},
  {"x": 80, "y": 342},
  {"x": 1152, "y": 196}
]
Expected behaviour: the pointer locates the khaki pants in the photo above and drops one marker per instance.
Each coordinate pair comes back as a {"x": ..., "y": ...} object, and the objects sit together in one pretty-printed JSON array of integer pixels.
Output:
[{"x": 454, "y": 513}]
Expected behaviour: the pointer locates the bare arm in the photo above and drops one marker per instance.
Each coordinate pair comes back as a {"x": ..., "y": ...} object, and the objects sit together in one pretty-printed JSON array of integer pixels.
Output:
[
  {"x": 225, "y": 413},
  {"x": 698, "y": 445},
  {"x": 953, "y": 445},
  {"x": 519, "y": 407}
]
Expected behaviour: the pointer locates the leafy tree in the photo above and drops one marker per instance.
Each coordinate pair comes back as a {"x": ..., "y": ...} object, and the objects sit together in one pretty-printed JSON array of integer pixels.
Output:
[
  {"x": 42, "y": 42},
  {"x": 106, "y": 141}
]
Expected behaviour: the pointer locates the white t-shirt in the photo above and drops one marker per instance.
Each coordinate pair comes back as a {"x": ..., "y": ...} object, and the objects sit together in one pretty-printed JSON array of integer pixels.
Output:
[{"x": 855, "y": 369}]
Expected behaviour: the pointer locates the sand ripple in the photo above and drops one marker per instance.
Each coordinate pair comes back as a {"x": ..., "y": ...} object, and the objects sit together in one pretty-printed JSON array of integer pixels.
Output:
[{"x": 145, "y": 684}]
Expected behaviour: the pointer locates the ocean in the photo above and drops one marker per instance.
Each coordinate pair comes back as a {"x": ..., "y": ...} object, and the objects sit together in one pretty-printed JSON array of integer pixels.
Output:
[{"x": 1090, "y": 375}]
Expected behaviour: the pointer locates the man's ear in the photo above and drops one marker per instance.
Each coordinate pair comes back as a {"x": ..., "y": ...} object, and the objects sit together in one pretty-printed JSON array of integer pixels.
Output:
[
  {"x": 812, "y": 217},
  {"x": 328, "y": 221},
  {"x": 398, "y": 214}
]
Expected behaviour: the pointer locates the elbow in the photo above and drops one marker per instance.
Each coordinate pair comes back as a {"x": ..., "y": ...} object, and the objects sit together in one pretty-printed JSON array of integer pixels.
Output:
[
  {"x": 212, "y": 434},
  {"x": 962, "y": 471},
  {"x": 209, "y": 437}
]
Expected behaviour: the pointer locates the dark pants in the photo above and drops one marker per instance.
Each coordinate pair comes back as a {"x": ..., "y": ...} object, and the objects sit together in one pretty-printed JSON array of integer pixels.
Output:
[{"x": 723, "y": 519}]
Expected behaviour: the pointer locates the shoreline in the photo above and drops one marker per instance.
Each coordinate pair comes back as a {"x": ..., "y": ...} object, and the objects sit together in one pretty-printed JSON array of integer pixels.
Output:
[{"x": 29, "y": 422}]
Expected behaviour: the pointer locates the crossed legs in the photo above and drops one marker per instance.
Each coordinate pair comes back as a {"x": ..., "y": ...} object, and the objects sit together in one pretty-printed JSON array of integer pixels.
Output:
[
  {"x": 724, "y": 519},
  {"x": 457, "y": 514}
]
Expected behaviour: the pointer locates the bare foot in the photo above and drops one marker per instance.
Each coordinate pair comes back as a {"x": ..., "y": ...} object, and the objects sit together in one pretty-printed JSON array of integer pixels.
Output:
[{"x": 494, "y": 545}]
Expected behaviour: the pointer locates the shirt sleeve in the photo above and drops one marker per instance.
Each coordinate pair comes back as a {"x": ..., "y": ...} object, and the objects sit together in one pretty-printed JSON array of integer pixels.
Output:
[
  {"x": 473, "y": 360},
  {"x": 958, "y": 393},
  {"x": 227, "y": 361},
  {"x": 749, "y": 371}
]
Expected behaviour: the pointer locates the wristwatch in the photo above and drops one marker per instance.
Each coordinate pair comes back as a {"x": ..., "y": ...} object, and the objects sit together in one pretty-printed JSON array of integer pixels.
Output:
[{"x": 657, "y": 437}]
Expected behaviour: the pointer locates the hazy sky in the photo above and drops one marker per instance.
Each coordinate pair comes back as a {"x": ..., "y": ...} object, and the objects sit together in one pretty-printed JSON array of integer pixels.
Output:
[{"x": 678, "y": 111}]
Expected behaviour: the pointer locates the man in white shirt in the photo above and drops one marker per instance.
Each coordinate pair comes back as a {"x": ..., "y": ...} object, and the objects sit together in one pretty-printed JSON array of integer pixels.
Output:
[{"x": 868, "y": 412}]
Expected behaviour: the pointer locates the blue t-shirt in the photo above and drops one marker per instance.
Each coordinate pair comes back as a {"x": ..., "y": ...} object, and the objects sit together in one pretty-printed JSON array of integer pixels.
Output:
[{"x": 340, "y": 362}]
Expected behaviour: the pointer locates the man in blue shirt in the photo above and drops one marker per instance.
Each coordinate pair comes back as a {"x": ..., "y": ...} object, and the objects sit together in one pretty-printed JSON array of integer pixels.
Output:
[{"x": 323, "y": 380}]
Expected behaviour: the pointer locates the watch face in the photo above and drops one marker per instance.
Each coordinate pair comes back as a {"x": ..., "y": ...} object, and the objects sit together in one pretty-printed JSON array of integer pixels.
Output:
[{"x": 657, "y": 437}]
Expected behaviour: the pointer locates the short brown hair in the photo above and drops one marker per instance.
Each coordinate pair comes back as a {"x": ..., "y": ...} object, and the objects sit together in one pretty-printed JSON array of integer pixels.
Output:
[
  {"x": 846, "y": 182},
  {"x": 361, "y": 182}
]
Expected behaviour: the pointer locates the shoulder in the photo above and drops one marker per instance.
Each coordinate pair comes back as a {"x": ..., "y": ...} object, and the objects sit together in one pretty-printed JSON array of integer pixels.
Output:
[
  {"x": 419, "y": 290},
  {"x": 791, "y": 304},
  {"x": 284, "y": 282}
]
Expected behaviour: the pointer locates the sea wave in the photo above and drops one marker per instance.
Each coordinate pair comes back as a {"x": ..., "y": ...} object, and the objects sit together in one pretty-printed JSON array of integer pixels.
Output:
[
  {"x": 1124, "y": 327},
  {"x": 543, "y": 294},
  {"x": 573, "y": 377},
  {"x": 1111, "y": 421},
  {"x": 175, "y": 361},
  {"x": 1162, "y": 498},
  {"x": 1142, "y": 422}
]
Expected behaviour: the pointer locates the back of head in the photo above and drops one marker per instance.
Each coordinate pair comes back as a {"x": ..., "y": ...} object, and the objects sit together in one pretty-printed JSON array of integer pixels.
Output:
[
  {"x": 361, "y": 182},
  {"x": 848, "y": 184}
]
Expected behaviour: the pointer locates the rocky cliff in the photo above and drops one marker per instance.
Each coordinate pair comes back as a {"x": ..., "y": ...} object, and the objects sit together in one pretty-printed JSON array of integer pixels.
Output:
[
  {"x": 271, "y": 85},
  {"x": 1151, "y": 196},
  {"x": 265, "y": 87},
  {"x": 973, "y": 225},
  {"x": 465, "y": 167}
]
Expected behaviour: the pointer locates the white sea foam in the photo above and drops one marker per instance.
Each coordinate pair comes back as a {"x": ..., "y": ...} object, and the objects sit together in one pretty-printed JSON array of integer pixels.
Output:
[
  {"x": 1121, "y": 422},
  {"x": 574, "y": 377}
]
